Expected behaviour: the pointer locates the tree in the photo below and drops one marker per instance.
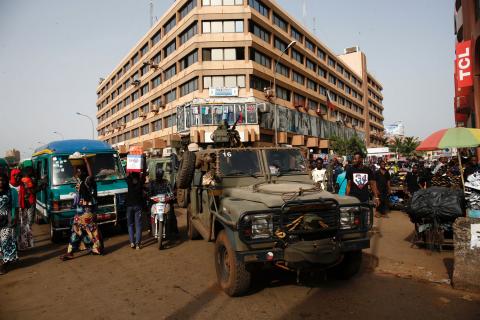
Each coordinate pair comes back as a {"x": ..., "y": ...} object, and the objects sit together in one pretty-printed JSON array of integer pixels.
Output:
[
  {"x": 347, "y": 147},
  {"x": 409, "y": 144}
]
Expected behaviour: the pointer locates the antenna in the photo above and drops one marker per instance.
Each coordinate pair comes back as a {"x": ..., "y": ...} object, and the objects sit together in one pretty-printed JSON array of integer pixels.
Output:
[
  {"x": 151, "y": 13},
  {"x": 314, "y": 26}
]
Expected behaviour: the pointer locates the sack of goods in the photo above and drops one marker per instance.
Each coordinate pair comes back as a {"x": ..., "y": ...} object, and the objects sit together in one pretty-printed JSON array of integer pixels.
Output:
[{"x": 436, "y": 204}]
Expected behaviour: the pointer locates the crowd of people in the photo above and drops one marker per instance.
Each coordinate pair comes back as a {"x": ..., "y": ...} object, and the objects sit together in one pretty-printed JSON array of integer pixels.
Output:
[
  {"x": 371, "y": 181},
  {"x": 18, "y": 189}
]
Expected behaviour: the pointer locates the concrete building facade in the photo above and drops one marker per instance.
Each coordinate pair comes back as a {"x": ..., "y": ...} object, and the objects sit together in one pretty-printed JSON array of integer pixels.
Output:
[{"x": 248, "y": 61}]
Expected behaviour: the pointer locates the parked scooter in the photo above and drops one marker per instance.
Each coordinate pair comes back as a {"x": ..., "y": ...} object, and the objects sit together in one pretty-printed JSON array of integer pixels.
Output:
[{"x": 160, "y": 214}]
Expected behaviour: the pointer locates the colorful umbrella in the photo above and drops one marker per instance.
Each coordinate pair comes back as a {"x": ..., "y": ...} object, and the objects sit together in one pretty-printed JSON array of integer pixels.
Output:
[{"x": 451, "y": 138}]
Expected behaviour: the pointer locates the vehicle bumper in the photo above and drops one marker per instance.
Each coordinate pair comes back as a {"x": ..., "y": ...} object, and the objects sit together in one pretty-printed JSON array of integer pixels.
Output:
[{"x": 323, "y": 252}]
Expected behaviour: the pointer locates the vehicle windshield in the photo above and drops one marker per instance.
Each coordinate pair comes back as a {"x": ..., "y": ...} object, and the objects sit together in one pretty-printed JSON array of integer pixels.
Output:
[
  {"x": 104, "y": 166},
  {"x": 286, "y": 161},
  {"x": 239, "y": 163}
]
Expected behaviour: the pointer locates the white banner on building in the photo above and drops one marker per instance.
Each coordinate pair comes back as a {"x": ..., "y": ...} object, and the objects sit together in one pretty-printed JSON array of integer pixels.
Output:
[{"x": 223, "y": 92}]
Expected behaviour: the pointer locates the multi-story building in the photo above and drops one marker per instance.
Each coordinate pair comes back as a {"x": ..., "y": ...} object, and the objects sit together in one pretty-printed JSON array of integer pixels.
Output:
[
  {"x": 467, "y": 63},
  {"x": 206, "y": 61}
]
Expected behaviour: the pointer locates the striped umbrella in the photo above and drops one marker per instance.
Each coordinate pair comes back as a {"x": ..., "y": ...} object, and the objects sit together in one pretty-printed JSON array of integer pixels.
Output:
[{"x": 451, "y": 138}]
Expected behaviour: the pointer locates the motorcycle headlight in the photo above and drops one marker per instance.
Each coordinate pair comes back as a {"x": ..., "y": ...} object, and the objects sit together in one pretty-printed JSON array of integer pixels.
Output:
[{"x": 349, "y": 217}]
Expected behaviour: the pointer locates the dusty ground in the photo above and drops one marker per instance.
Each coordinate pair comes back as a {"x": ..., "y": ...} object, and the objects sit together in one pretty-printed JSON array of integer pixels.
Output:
[{"x": 179, "y": 283}]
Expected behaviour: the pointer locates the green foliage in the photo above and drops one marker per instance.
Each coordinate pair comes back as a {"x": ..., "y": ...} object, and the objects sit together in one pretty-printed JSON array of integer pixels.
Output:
[
  {"x": 347, "y": 147},
  {"x": 405, "y": 147}
]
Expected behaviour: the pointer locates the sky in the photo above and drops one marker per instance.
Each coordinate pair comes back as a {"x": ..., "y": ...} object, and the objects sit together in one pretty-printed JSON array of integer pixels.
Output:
[{"x": 52, "y": 53}]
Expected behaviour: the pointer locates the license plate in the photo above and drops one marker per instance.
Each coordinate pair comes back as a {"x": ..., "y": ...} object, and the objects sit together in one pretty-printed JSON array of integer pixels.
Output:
[{"x": 158, "y": 209}]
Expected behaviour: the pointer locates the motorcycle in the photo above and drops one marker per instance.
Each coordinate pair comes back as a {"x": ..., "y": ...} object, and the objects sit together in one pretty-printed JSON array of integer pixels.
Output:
[{"x": 159, "y": 216}]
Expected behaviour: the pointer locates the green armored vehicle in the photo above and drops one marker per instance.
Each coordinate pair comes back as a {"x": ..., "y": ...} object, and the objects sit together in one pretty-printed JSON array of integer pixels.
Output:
[{"x": 260, "y": 206}]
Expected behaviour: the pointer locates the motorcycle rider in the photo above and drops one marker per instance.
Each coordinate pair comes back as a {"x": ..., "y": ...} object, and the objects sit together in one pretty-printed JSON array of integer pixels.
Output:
[{"x": 162, "y": 186}]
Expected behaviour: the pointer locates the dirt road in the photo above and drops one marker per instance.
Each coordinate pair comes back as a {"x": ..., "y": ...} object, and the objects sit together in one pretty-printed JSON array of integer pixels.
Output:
[{"x": 179, "y": 283}]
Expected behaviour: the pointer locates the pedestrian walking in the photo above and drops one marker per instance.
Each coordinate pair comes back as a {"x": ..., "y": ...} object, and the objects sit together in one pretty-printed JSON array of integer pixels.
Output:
[
  {"x": 341, "y": 182},
  {"x": 135, "y": 203},
  {"x": 382, "y": 179},
  {"x": 26, "y": 187},
  {"x": 359, "y": 179},
  {"x": 8, "y": 219},
  {"x": 85, "y": 233}
]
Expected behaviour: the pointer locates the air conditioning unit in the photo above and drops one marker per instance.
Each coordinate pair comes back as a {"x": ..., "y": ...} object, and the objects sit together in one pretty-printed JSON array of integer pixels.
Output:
[
  {"x": 268, "y": 93},
  {"x": 154, "y": 108},
  {"x": 142, "y": 114},
  {"x": 136, "y": 83}
]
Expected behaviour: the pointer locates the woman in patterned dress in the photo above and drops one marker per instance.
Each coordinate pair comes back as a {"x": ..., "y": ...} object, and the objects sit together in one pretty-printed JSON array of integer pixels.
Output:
[
  {"x": 26, "y": 187},
  {"x": 85, "y": 233},
  {"x": 8, "y": 214}
]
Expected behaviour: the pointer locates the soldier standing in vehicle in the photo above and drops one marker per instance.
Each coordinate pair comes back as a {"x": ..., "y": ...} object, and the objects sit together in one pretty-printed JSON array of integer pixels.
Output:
[{"x": 359, "y": 178}]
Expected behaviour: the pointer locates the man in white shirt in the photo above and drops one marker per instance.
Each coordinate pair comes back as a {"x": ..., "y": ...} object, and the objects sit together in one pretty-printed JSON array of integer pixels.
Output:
[{"x": 318, "y": 174}]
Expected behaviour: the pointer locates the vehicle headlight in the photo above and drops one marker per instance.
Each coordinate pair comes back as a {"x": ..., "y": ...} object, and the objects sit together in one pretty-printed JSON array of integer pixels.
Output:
[
  {"x": 258, "y": 226},
  {"x": 349, "y": 217}
]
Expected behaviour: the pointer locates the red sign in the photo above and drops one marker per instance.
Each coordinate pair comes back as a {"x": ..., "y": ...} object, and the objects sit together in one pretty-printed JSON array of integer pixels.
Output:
[{"x": 463, "y": 65}]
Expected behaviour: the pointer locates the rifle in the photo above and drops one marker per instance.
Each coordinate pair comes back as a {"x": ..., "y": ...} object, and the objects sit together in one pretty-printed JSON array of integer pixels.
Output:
[{"x": 235, "y": 124}]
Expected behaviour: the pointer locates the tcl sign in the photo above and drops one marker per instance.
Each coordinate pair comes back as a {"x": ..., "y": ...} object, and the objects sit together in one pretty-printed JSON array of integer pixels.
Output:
[{"x": 463, "y": 64}]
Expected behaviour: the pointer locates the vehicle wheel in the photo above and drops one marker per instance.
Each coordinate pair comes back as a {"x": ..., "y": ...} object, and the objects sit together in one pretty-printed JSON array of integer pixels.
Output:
[
  {"x": 186, "y": 170},
  {"x": 349, "y": 266},
  {"x": 55, "y": 236},
  {"x": 182, "y": 198},
  {"x": 160, "y": 234},
  {"x": 192, "y": 233},
  {"x": 232, "y": 275}
]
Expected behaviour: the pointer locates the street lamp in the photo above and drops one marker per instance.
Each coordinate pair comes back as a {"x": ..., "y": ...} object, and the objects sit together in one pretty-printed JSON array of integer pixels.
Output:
[
  {"x": 59, "y": 134},
  {"x": 291, "y": 44},
  {"x": 91, "y": 121}
]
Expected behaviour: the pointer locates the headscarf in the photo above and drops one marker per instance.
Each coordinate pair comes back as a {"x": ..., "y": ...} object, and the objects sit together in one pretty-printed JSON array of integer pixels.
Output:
[{"x": 24, "y": 186}]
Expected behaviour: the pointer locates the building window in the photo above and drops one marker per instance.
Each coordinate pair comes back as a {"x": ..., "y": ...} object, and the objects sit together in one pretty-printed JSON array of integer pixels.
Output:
[
  {"x": 310, "y": 46},
  {"x": 224, "y": 81},
  {"x": 311, "y": 85},
  {"x": 280, "y": 45},
  {"x": 169, "y": 25},
  {"x": 298, "y": 78},
  {"x": 187, "y": 8},
  {"x": 188, "y": 87},
  {"x": 157, "y": 125},
  {"x": 135, "y": 58},
  {"x": 189, "y": 33},
  {"x": 136, "y": 76},
  {"x": 171, "y": 120},
  {"x": 340, "y": 69},
  {"x": 311, "y": 65},
  {"x": 145, "y": 129},
  {"x": 312, "y": 104},
  {"x": 144, "y": 89},
  {"x": 157, "y": 58},
  {"x": 283, "y": 70},
  {"x": 169, "y": 48},
  {"x": 156, "y": 81},
  {"x": 331, "y": 62},
  {"x": 126, "y": 118},
  {"x": 299, "y": 100},
  {"x": 134, "y": 133},
  {"x": 189, "y": 60},
  {"x": 323, "y": 91},
  {"x": 127, "y": 101},
  {"x": 332, "y": 79},
  {"x": 144, "y": 50},
  {"x": 135, "y": 96},
  {"x": 223, "y": 54},
  {"x": 258, "y": 83},
  {"x": 135, "y": 114},
  {"x": 260, "y": 58},
  {"x": 322, "y": 72},
  {"x": 259, "y": 31},
  {"x": 170, "y": 72},
  {"x": 296, "y": 34},
  {"x": 156, "y": 37},
  {"x": 171, "y": 96},
  {"x": 282, "y": 93},
  {"x": 222, "y": 2},
  {"x": 144, "y": 109},
  {"x": 280, "y": 22},
  {"x": 297, "y": 56},
  {"x": 120, "y": 105},
  {"x": 340, "y": 84},
  {"x": 259, "y": 6},
  {"x": 126, "y": 67},
  {"x": 144, "y": 69},
  {"x": 219, "y": 26}
]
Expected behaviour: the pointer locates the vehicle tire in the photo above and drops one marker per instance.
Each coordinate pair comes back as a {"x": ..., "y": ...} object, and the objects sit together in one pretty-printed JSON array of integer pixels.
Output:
[
  {"x": 182, "y": 198},
  {"x": 160, "y": 234},
  {"x": 232, "y": 275},
  {"x": 349, "y": 266},
  {"x": 55, "y": 236},
  {"x": 186, "y": 170},
  {"x": 192, "y": 233}
]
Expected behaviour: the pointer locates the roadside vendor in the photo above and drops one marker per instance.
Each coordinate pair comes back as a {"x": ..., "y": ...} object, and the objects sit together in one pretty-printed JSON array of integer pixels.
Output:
[{"x": 85, "y": 233}]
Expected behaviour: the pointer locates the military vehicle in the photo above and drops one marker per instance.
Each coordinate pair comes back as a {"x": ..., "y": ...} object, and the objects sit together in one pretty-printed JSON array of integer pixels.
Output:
[{"x": 260, "y": 207}]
